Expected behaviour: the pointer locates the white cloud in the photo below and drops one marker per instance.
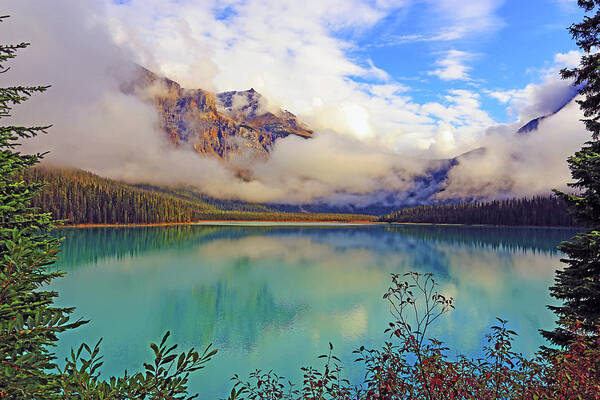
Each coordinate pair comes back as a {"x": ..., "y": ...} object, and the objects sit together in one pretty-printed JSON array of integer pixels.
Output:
[
  {"x": 453, "y": 66},
  {"x": 463, "y": 109},
  {"x": 460, "y": 123},
  {"x": 284, "y": 49},
  {"x": 519, "y": 165},
  {"x": 539, "y": 99},
  {"x": 568, "y": 60},
  {"x": 461, "y": 18}
]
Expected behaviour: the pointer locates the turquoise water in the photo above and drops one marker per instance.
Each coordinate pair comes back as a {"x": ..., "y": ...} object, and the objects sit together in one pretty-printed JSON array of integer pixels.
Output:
[{"x": 271, "y": 296}]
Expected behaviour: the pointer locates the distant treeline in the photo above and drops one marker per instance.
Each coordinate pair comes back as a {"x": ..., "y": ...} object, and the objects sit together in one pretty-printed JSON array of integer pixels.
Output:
[
  {"x": 79, "y": 197},
  {"x": 534, "y": 211}
]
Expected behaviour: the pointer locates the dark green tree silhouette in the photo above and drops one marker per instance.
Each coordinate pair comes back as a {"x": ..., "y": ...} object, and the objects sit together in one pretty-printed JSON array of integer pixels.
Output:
[
  {"x": 534, "y": 211},
  {"x": 578, "y": 284},
  {"x": 28, "y": 321}
]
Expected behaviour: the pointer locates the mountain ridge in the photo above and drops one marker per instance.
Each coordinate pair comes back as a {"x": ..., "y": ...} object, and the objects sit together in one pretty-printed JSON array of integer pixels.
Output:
[
  {"x": 221, "y": 124},
  {"x": 534, "y": 123}
]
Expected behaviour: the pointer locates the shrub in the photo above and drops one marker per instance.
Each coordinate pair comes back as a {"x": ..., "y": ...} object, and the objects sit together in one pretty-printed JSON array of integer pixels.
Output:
[{"x": 412, "y": 366}]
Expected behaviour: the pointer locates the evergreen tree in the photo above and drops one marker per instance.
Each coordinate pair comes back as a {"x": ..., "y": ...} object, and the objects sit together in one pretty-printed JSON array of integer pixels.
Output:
[
  {"x": 28, "y": 321},
  {"x": 578, "y": 284},
  {"x": 535, "y": 211}
]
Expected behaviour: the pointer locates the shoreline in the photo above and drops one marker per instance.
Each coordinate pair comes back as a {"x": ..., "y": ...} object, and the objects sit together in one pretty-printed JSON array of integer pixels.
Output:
[
  {"x": 485, "y": 225},
  {"x": 209, "y": 221},
  {"x": 301, "y": 222}
]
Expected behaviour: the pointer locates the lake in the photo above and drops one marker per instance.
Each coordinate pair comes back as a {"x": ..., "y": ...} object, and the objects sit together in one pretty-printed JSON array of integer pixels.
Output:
[{"x": 271, "y": 296}]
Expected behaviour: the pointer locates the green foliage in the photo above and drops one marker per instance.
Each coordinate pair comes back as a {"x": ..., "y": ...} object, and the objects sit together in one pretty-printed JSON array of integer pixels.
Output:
[
  {"x": 578, "y": 284},
  {"x": 535, "y": 211},
  {"x": 79, "y": 197},
  {"x": 196, "y": 196},
  {"x": 29, "y": 323},
  {"x": 165, "y": 378},
  {"x": 325, "y": 384}
]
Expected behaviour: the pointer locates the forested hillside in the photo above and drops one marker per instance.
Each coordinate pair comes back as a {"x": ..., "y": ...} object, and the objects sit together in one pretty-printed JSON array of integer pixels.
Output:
[
  {"x": 535, "y": 211},
  {"x": 195, "y": 196},
  {"x": 80, "y": 197}
]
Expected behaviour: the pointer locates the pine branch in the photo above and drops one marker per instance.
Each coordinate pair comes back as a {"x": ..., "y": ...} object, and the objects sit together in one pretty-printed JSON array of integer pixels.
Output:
[{"x": 8, "y": 52}]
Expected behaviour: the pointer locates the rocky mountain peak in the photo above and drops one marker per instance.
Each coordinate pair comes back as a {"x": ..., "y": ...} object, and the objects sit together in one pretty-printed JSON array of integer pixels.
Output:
[
  {"x": 246, "y": 104},
  {"x": 223, "y": 124}
]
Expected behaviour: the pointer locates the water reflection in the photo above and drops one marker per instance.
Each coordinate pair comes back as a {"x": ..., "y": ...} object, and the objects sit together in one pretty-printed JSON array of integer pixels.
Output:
[{"x": 272, "y": 297}]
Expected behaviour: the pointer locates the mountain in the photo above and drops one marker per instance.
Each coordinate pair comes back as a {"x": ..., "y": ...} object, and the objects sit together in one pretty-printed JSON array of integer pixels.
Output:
[
  {"x": 534, "y": 123},
  {"x": 219, "y": 125},
  {"x": 249, "y": 107}
]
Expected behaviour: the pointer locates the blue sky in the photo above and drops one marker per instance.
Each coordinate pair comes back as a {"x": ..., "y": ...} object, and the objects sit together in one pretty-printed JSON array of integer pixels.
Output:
[{"x": 514, "y": 51}]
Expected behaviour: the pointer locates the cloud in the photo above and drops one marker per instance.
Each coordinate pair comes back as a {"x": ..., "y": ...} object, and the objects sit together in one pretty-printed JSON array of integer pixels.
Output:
[
  {"x": 329, "y": 164},
  {"x": 519, "y": 165},
  {"x": 568, "y": 60},
  {"x": 535, "y": 100},
  {"x": 457, "y": 19},
  {"x": 530, "y": 163},
  {"x": 453, "y": 66},
  {"x": 462, "y": 18}
]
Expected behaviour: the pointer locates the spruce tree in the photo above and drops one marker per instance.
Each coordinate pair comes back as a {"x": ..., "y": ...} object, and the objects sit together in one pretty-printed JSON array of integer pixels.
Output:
[
  {"x": 29, "y": 323},
  {"x": 578, "y": 284}
]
